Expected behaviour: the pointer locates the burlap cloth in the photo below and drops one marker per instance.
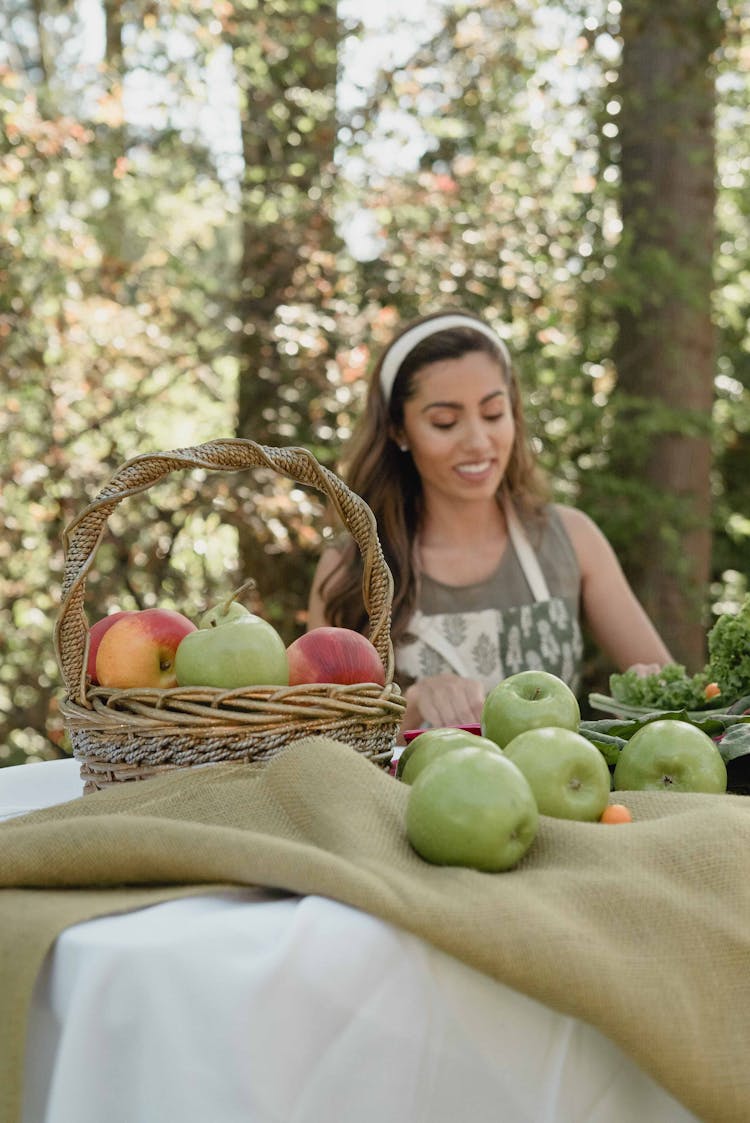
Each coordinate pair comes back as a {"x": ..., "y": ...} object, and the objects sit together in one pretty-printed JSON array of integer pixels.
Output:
[{"x": 642, "y": 930}]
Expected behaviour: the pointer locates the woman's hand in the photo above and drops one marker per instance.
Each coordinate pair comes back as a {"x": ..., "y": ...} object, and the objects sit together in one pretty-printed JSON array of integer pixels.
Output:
[
  {"x": 644, "y": 669},
  {"x": 443, "y": 700}
]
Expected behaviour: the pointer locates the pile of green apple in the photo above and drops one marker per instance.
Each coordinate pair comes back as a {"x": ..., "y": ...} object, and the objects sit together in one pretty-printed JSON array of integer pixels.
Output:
[
  {"x": 229, "y": 648},
  {"x": 476, "y": 799}
]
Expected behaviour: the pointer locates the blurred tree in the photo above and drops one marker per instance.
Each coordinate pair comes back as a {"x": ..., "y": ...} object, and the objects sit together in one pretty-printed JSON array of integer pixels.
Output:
[
  {"x": 666, "y": 350},
  {"x": 101, "y": 333},
  {"x": 731, "y": 475},
  {"x": 285, "y": 58}
]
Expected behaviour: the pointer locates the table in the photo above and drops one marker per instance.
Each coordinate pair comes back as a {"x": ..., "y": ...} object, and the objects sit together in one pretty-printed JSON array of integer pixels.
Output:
[{"x": 256, "y": 1007}]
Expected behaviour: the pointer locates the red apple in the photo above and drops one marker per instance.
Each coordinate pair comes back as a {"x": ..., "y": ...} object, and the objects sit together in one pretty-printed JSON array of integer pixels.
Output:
[
  {"x": 337, "y": 655},
  {"x": 139, "y": 649},
  {"x": 95, "y": 638}
]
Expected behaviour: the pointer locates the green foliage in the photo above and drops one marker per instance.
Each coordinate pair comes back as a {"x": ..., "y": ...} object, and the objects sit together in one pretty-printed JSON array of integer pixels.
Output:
[
  {"x": 729, "y": 652},
  {"x": 104, "y": 338},
  {"x": 732, "y": 306},
  {"x": 670, "y": 688}
]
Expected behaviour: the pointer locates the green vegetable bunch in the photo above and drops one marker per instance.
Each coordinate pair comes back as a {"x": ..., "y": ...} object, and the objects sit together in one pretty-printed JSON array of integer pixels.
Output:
[
  {"x": 670, "y": 688},
  {"x": 729, "y": 652}
]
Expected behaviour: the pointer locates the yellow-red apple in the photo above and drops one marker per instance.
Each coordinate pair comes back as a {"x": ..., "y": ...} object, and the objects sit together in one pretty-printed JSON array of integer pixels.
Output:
[
  {"x": 139, "y": 649},
  {"x": 95, "y": 638},
  {"x": 337, "y": 655}
]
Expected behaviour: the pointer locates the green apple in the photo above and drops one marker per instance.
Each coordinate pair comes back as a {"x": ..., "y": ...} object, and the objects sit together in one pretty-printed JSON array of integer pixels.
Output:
[
  {"x": 431, "y": 744},
  {"x": 227, "y": 610},
  {"x": 528, "y": 700},
  {"x": 670, "y": 755},
  {"x": 471, "y": 808},
  {"x": 567, "y": 774},
  {"x": 223, "y": 613},
  {"x": 248, "y": 651}
]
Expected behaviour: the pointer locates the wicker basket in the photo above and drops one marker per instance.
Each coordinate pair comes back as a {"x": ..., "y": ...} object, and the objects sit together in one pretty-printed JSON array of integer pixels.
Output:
[{"x": 121, "y": 735}]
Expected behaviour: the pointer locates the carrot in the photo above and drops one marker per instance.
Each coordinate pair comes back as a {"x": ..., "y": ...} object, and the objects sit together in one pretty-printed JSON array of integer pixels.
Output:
[{"x": 616, "y": 813}]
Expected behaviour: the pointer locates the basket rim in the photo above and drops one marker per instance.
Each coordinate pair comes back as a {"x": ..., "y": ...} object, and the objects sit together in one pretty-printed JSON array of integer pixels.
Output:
[{"x": 209, "y": 708}]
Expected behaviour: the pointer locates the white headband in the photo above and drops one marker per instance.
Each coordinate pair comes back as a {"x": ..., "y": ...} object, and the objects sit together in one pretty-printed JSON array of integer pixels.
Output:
[{"x": 406, "y": 343}]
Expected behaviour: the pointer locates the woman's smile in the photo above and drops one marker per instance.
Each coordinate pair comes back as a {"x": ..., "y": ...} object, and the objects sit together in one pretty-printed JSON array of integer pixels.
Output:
[{"x": 477, "y": 470}]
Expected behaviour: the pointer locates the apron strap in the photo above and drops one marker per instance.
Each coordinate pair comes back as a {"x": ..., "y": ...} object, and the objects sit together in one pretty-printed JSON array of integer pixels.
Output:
[{"x": 527, "y": 559}]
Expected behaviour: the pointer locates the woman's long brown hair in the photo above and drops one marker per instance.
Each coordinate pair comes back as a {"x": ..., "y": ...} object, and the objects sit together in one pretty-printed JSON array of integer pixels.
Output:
[{"x": 385, "y": 477}]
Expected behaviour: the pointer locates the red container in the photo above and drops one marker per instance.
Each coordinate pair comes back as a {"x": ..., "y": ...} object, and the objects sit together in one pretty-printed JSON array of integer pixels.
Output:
[{"x": 410, "y": 734}]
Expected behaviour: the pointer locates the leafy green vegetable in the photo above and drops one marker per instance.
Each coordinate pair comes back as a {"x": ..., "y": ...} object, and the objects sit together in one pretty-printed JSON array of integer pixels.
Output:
[
  {"x": 672, "y": 688},
  {"x": 669, "y": 688},
  {"x": 607, "y": 744},
  {"x": 713, "y": 722},
  {"x": 729, "y": 652},
  {"x": 735, "y": 742}
]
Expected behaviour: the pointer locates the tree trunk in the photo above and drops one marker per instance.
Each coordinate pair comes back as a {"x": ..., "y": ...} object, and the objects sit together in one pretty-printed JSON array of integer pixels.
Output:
[
  {"x": 286, "y": 60},
  {"x": 665, "y": 348}
]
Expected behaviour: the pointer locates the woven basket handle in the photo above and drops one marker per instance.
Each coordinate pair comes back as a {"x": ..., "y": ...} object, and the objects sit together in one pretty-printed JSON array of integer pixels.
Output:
[{"x": 83, "y": 535}]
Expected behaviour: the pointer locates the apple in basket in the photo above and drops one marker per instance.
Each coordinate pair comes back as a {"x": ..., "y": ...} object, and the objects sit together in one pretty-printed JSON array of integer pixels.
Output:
[
  {"x": 95, "y": 638},
  {"x": 232, "y": 648},
  {"x": 337, "y": 655},
  {"x": 139, "y": 649}
]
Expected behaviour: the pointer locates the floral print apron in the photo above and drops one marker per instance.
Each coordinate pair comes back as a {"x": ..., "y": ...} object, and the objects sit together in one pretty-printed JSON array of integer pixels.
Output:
[{"x": 490, "y": 644}]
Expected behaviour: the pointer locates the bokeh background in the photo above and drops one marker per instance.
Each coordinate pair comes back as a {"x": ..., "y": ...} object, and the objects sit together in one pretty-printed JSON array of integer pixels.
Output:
[{"x": 213, "y": 213}]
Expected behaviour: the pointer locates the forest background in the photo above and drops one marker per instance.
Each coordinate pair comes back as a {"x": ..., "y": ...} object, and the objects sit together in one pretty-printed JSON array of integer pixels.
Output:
[{"x": 214, "y": 212}]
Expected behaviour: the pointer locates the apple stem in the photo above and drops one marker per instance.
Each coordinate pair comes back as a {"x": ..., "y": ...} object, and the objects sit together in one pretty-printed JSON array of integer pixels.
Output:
[{"x": 245, "y": 587}]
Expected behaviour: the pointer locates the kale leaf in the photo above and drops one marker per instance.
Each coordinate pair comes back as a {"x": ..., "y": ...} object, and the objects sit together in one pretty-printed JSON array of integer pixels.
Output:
[
  {"x": 669, "y": 688},
  {"x": 729, "y": 652}
]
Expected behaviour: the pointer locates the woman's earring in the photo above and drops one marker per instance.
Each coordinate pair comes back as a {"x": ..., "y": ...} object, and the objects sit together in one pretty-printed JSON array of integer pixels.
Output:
[{"x": 403, "y": 448}]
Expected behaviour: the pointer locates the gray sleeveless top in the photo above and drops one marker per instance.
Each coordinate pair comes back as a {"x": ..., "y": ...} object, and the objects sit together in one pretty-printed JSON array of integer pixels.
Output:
[{"x": 525, "y": 616}]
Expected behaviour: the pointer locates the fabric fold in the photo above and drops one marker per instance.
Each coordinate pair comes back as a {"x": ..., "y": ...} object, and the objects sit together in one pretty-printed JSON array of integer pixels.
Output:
[{"x": 622, "y": 926}]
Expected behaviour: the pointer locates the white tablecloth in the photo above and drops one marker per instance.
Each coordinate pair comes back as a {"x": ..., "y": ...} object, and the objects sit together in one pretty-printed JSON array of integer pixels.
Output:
[{"x": 260, "y": 1008}]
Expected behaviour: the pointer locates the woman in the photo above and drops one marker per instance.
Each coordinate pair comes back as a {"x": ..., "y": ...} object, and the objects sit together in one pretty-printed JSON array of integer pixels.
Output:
[{"x": 489, "y": 576}]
